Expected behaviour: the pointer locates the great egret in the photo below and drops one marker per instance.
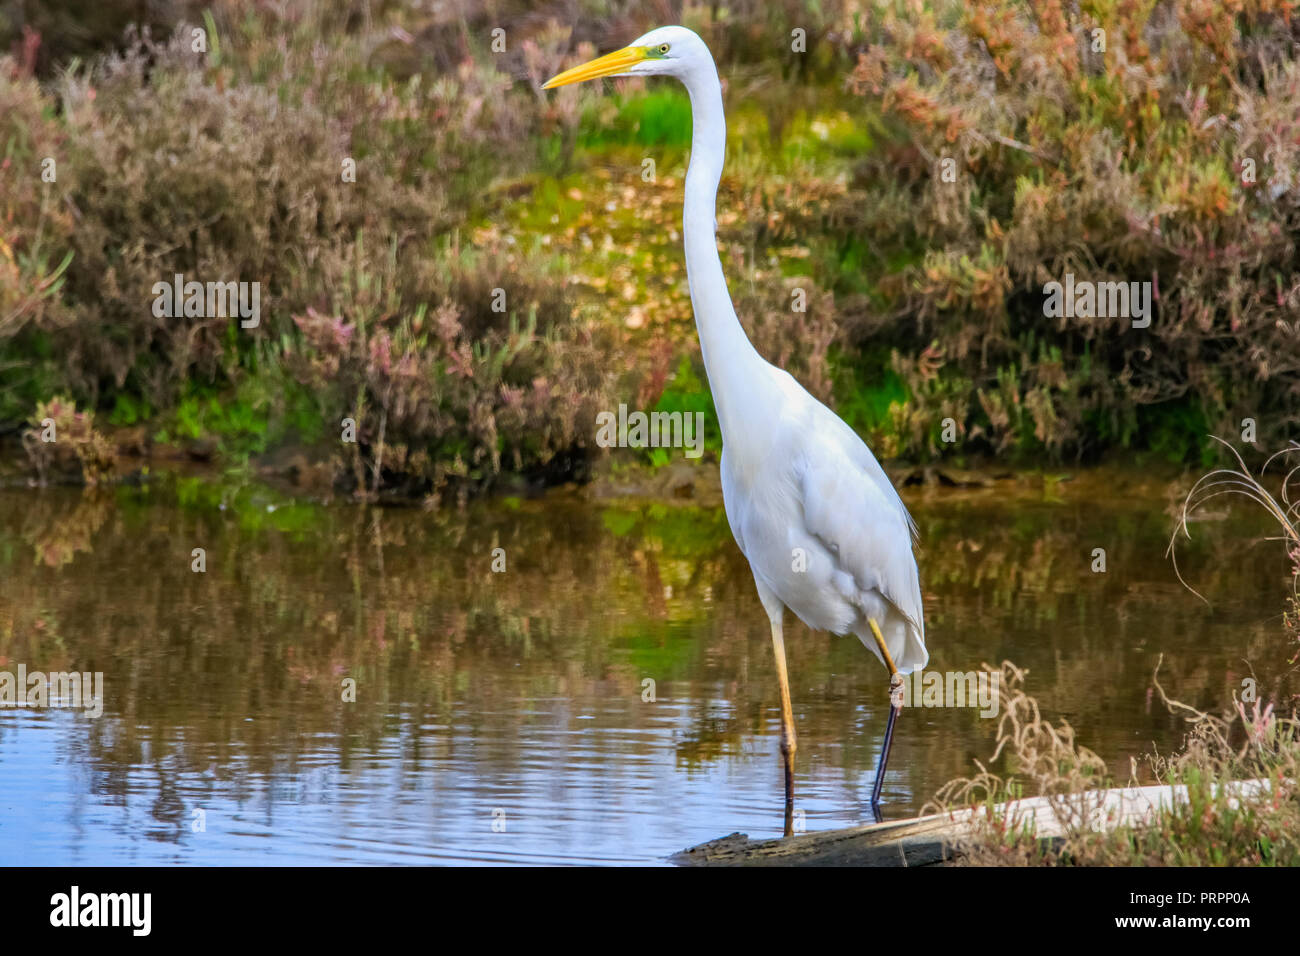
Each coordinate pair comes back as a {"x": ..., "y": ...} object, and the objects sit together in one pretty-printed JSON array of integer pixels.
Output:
[{"x": 824, "y": 530}]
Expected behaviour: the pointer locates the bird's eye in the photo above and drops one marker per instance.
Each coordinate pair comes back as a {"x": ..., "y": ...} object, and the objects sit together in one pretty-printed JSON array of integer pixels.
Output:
[{"x": 663, "y": 48}]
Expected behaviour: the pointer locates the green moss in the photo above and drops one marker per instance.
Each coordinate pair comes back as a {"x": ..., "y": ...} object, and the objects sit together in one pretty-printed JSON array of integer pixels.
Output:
[
  {"x": 826, "y": 134},
  {"x": 867, "y": 390},
  {"x": 261, "y": 413},
  {"x": 687, "y": 393},
  {"x": 1177, "y": 432},
  {"x": 661, "y": 116},
  {"x": 129, "y": 410}
]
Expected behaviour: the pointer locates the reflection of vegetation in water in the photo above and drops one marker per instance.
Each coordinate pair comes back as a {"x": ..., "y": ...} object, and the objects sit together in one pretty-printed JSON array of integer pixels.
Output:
[
  {"x": 594, "y": 600},
  {"x": 58, "y": 541}
]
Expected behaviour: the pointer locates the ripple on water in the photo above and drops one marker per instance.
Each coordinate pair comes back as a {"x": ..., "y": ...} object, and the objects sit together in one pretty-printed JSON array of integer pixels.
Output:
[{"x": 508, "y": 719}]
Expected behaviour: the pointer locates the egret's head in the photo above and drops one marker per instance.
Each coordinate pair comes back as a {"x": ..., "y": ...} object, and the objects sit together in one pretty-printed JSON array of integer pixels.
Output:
[{"x": 667, "y": 51}]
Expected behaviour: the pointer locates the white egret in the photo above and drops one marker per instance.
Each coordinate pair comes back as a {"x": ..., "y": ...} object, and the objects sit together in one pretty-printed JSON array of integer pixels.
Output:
[{"x": 824, "y": 530}]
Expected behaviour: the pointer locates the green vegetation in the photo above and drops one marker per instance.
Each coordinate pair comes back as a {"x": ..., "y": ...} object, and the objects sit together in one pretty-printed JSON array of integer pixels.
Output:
[
  {"x": 688, "y": 394},
  {"x": 1115, "y": 142},
  {"x": 660, "y": 116},
  {"x": 1169, "y": 156}
]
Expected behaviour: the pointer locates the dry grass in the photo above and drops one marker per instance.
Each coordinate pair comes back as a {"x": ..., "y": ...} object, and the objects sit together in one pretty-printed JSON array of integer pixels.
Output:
[
  {"x": 1281, "y": 506},
  {"x": 1214, "y": 823}
]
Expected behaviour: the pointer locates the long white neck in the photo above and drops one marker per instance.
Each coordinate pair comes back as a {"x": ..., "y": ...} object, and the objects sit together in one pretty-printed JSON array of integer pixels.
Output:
[{"x": 729, "y": 358}]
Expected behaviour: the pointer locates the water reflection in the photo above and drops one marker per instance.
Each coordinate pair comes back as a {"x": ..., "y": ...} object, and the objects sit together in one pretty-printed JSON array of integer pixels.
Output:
[{"x": 502, "y": 717}]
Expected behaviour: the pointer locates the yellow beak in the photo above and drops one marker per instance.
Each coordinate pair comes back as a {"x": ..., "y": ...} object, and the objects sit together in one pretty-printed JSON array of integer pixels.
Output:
[{"x": 617, "y": 62}]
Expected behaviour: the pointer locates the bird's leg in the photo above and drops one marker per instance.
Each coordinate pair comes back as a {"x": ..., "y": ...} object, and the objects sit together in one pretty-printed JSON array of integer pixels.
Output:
[
  {"x": 895, "y": 707},
  {"x": 787, "y": 722}
]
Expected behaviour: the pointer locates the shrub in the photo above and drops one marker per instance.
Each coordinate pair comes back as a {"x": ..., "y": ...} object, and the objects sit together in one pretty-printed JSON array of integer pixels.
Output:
[
  {"x": 62, "y": 443},
  {"x": 35, "y": 236},
  {"x": 1127, "y": 164},
  {"x": 228, "y": 166}
]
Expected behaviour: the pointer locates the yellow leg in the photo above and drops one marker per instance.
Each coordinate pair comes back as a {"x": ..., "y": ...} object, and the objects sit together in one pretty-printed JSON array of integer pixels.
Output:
[
  {"x": 787, "y": 723},
  {"x": 884, "y": 650}
]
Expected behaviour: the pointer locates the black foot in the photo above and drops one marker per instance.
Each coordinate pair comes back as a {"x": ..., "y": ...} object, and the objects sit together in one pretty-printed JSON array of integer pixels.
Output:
[
  {"x": 880, "y": 768},
  {"x": 789, "y": 797}
]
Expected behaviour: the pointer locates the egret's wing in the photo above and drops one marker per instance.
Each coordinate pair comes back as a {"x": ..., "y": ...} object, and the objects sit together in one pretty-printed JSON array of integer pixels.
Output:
[
  {"x": 863, "y": 524},
  {"x": 861, "y": 455}
]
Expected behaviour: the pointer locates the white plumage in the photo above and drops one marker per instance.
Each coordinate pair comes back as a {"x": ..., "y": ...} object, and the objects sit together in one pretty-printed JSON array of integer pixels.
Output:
[{"x": 824, "y": 530}]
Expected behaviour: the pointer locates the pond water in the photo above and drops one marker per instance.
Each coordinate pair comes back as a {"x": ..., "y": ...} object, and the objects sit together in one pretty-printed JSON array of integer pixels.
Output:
[{"x": 505, "y": 717}]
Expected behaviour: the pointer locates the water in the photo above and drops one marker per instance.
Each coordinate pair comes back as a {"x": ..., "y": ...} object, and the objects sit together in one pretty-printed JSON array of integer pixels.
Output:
[{"x": 500, "y": 717}]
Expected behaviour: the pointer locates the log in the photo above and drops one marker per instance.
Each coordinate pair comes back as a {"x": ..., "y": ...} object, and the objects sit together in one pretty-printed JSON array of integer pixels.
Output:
[
  {"x": 922, "y": 841},
  {"x": 932, "y": 840}
]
